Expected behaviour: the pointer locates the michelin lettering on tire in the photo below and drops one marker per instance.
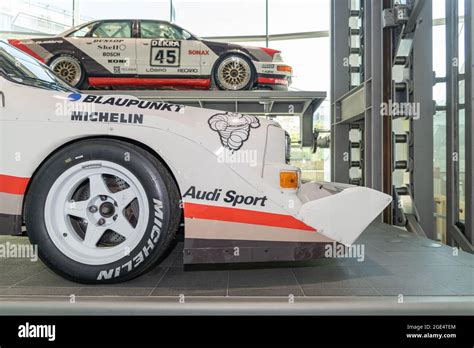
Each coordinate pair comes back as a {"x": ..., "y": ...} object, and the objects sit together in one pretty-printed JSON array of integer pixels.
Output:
[{"x": 144, "y": 252}]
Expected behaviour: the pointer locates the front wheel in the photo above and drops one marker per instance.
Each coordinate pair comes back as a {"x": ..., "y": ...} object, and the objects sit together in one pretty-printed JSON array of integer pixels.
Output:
[
  {"x": 234, "y": 72},
  {"x": 102, "y": 211}
]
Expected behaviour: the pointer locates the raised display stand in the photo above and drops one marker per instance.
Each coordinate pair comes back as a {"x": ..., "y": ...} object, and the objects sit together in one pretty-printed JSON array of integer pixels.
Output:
[{"x": 260, "y": 103}]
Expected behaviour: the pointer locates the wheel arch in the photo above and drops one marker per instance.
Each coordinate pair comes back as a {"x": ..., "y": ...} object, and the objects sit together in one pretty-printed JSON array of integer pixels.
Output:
[
  {"x": 141, "y": 145},
  {"x": 72, "y": 53},
  {"x": 56, "y": 54}
]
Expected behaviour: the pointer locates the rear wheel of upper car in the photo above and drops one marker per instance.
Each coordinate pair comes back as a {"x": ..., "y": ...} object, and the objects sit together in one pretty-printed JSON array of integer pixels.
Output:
[
  {"x": 234, "y": 72},
  {"x": 102, "y": 211},
  {"x": 69, "y": 69}
]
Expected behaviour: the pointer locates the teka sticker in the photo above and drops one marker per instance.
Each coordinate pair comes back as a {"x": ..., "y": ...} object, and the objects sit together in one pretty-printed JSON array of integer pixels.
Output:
[{"x": 233, "y": 128}]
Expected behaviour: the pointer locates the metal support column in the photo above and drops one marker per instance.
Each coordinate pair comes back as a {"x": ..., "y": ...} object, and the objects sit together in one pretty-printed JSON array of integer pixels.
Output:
[
  {"x": 422, "y": 135},
  {"x": 387, "y": 168},
  {"x": 452, "y": 170},
  {"x": 455, "y": 236},
  {"x": 339, "y": 86},
  {"x": 374, "y": 58},
  {"x": 469, "y": 90}
]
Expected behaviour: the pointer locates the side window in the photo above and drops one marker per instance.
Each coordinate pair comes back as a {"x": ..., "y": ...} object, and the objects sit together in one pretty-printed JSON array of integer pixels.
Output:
[
  {"x": 119, "y": 29},
  {"x": 159, "y": 30},
  {"x": 82, "y": 32}
]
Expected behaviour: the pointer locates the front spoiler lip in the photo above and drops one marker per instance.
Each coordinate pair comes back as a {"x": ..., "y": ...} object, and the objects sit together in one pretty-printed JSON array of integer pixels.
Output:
[{"x": 344, "y": 212}]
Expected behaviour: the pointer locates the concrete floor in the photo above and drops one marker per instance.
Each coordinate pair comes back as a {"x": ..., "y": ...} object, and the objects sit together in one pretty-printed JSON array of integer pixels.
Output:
[{"x": 396, "y": 262}]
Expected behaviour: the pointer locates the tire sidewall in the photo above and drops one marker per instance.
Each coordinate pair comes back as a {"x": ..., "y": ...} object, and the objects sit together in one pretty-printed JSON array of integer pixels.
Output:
[
  {"x": 239, "y": 55},
  {"x": 137, "y": 260}
]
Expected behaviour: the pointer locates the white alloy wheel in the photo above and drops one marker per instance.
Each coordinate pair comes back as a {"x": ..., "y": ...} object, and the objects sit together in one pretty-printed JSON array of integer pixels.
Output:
[{"x": 96, "y": 212}]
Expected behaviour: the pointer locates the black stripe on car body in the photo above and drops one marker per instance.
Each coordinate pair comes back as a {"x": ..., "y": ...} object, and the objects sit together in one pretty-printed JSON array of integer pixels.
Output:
[
  {"x": 10, "y": 224},
  {"x": 200, "y": 251},
  {"x": 220, "y": 48},
  {"x": 63, "y": 46}
]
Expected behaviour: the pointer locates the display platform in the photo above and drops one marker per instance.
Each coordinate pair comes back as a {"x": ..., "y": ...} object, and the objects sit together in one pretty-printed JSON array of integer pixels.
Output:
[
  {"x": 400, "y": 271},
  {"x": 269, "y": 103},
  {"x": 261, "y": 103}
]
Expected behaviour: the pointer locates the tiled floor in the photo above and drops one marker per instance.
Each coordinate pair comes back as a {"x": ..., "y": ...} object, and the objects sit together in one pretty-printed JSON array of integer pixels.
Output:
[{"x": 396, "y": 262}]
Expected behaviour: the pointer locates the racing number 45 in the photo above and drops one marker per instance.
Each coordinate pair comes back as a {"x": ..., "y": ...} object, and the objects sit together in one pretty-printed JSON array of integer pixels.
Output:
[
  {"x": 165, "y": 56},
  {"x": 165, "y": 52}
]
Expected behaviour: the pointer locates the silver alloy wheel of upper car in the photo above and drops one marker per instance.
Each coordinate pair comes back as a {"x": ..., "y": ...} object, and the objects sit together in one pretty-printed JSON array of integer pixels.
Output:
[
  {"x": 234, "y": 73},
  {"x": 96, "y": 212},
  {"x": 68, "y": 69}
]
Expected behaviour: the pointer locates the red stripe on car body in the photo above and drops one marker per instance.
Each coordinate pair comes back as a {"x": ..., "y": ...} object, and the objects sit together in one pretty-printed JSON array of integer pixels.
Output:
[
  {"x": 13, "y": 184},
  {"x": 272, "y": 81},
  {"x": 244, "y": 216},
  {"x": 21, "y": 46},
  {"x": 270, "y": 51},
  {"x": 136, "y": 81}
]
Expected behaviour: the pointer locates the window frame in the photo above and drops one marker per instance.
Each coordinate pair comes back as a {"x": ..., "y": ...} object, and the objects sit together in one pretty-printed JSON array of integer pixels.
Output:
[
  {"x": 139, "y": 27},
  {"x": 99, "y": 23}
]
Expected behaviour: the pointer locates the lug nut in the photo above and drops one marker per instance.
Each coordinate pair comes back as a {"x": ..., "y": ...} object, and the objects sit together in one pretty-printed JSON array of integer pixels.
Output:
[
  {"x": 103, "y": 198},
  {"x": 101, "y": 222},
  {"x": 115, "y": 217},
  {"x": 93, "y": 209}
]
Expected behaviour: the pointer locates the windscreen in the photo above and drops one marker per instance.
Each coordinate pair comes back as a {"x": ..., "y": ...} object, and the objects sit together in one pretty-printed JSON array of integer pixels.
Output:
[{"x": 22, "y": 68}]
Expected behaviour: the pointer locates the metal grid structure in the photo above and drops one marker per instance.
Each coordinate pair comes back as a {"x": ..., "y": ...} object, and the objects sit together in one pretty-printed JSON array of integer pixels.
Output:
[{"x": 396, "y": 69}]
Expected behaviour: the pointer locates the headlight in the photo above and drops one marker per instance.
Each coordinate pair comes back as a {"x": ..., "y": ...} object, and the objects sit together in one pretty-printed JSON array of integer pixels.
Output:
[
  {"x": 287, "y": 147},
  {"x": 277, "y": 57}
]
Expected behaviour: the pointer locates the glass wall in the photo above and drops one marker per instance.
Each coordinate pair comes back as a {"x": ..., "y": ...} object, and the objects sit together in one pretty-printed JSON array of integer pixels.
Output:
[
  {"x": 121, "y": 9},
  {"x": 310, "y": 59},
  {"x": 221, "y": 18},
  {"x": 298, "y": 16},
  {"x": 36, "y": 16},
  {"x": 439, "y": 94}
]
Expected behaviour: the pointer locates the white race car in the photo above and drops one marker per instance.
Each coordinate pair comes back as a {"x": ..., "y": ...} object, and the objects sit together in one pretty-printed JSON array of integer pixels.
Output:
[
  {"x": 103, "y": 182},
  {"x": 158, "y": 54}
]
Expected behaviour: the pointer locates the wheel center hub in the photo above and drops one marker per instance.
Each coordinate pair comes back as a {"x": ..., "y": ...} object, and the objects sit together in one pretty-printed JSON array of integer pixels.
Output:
[
  {"x": 234, "y": 73},
  {"x": 102, "y": 211},
  {"x": 107, "y": 209},
  {"x": 64, "y": 72}
]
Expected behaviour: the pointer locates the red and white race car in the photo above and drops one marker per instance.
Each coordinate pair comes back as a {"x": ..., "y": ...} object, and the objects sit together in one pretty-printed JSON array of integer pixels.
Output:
[{"x": 154, "y": 54}]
